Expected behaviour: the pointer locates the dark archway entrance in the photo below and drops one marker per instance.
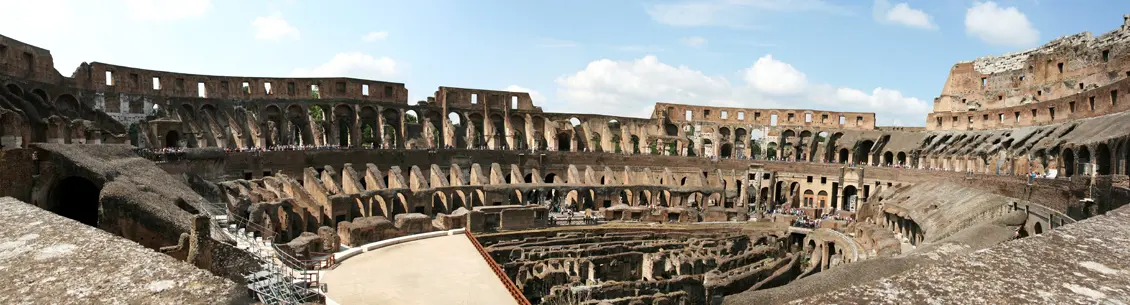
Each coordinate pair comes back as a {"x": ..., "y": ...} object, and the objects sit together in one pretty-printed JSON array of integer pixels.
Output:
[
  {"x": 843, "y": 157},
  {"x": 563, "y": 141},
  {"x": 862, "y": 153},
  {"x": 1068, "y": 162},
  {"x": 850, "y": 198},
  {"x": 76, "y": 198},
  {"x": 1102, "y": 159},
  {"x": 172, "y": 138}
]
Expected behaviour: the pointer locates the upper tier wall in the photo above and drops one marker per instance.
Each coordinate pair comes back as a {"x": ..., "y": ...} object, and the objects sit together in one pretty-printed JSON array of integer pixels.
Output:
[
  {"x": 120, "y": 79},
  {"x": 784, "y": 117},
  {"x": 26, "y": 61},
  {"x": 1107, "y": 99},
  {"x": 1063, "y": 67},
  {"x": 486, "y": 100}
]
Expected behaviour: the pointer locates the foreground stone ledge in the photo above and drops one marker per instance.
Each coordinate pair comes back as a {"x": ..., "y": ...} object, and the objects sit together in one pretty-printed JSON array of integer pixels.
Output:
[
  {"x": 48, "y": 259},
  {"x": 1087, "y": 262}
]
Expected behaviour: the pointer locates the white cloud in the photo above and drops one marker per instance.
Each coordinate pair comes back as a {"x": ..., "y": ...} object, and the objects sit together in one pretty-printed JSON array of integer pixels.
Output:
[
  {"x": 902, "y": 14},
  {"x": 374, "y": 36},
  {"x": 536, "y": 97},
  {"x": 731, "y": 13},
  {"x": 1000, "y": 26},
  {"x": 695, "y": 41},
  {"x": 555, "y": 43},
  {"x": 632, "y": 88},
  {"x": 273, "y": 27},
  {"x": 353, "y": 64},
  {"x": 775, "y": 77},
  {"x": 168, "y": 10}
]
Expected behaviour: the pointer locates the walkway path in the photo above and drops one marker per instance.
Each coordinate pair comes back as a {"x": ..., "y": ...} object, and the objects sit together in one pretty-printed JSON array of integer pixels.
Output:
[{"x": 439, "y": 270}]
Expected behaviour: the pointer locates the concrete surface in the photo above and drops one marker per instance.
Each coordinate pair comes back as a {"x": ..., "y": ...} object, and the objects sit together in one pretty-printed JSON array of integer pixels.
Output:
[
  {"x": 440, "y": 270},
  {"x": 48, "y": 259}
]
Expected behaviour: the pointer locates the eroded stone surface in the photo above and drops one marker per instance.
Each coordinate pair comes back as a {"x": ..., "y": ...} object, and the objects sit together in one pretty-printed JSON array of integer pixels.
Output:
[
  {"x": 60, "y": 261},
  {"x": 1070, "y": 265}
]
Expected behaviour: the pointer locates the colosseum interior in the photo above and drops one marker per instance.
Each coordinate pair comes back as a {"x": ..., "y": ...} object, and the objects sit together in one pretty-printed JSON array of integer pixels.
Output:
[{"x": 340, "y": 191}]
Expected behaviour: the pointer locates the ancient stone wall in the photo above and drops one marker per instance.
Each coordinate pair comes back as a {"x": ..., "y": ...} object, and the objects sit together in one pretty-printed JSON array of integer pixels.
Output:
[
  {"x": 679, "y": 113},
  {"x": 1022, "y": 88},
  {"x": 28, "y": 62}
]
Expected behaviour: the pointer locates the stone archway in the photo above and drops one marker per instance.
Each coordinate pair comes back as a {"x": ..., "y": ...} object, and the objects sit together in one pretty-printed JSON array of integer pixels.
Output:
[
  {"x": 850, "y": 198},
  {"x": 172, "y": 139},
  {"x": 76, "y": 198}
]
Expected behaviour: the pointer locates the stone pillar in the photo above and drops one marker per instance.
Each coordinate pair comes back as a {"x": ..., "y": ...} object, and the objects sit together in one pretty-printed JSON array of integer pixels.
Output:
[
  {"x": 355, "y": 137},
  {"x": 333, "y": 132},
  {"x": 380, "y": 128}
]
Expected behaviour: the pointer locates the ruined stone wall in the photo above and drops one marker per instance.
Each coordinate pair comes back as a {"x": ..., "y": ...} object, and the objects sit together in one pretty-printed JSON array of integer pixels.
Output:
[
  {"x": 28, "y": 62},
  {"x": 1072, "y": 69},
  {"x": 114, "y": 79},
  {"x": 16, "y": 172},
  {"x": 677, "y": 113}
]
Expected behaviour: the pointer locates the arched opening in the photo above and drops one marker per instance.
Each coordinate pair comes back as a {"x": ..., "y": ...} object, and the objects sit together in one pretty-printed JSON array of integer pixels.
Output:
[
  {"x": 76, "y": 198},
  {"x": 438, "y": 205},
  {"x": 1068, "y": 162},
  {"x": 411, "y": 117},
  {"x": 69, "y": 106},
  {"x": 172, "y": 138},
  {"x": 40, "y": 93},
  {"x": 15, "y": 90},
  {"x": 888, "y": 158},
  {"x": 563, "y": 141},
  {"x": 391, "y": 131},
  {"x": 635, "y": 145},
  {"x": 624, "y": 198},
  {"x": 644, "y": 197},
  {"x": 476, "y": 199},
  {"x": 901, "y": 159},
  {"x": 1102, "y": 159},
  {"x": 498, "y": 129},
  {"x": 862, "y": 150},
  {"x": 550, "y": 178},
  {"x": 1038, "y": 228},
  {"x": 588, "y": 201},
  {"x": 779, "y": 193},
  {"x": 518, "y": 132},
  {"x": 822, "y": 200},
  {"x": 850, "y": 198},
  {"x": 727, "y": 151},
  {"x": 399, "y": 206},
  {"x": 457, "y": 201},
  {"x": 515, "y": 198},
  {"x": 1084, "y": 156},
  {"x": 809, "y": 199},
  {"x": 842, "y": 158}
]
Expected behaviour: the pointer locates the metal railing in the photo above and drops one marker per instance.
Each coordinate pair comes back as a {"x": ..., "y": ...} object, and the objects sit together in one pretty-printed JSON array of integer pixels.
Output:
[{"x": 281, "y": 278}]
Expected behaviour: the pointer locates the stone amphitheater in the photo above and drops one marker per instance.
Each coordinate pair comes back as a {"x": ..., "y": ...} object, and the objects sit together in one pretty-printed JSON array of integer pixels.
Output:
[{"x": 121, "y": 185}]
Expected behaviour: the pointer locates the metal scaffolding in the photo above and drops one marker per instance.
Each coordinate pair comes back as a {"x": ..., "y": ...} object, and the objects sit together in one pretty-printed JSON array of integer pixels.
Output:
[{"x": 280, "y": 278}]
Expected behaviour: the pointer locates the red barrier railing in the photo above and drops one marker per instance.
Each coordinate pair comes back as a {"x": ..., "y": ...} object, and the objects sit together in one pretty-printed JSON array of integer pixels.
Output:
[{"x": 517, "y": 294}]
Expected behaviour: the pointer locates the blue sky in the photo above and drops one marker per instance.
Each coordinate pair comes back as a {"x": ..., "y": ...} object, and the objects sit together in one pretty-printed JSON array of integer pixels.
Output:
[{"x": 612, "y": 56}]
